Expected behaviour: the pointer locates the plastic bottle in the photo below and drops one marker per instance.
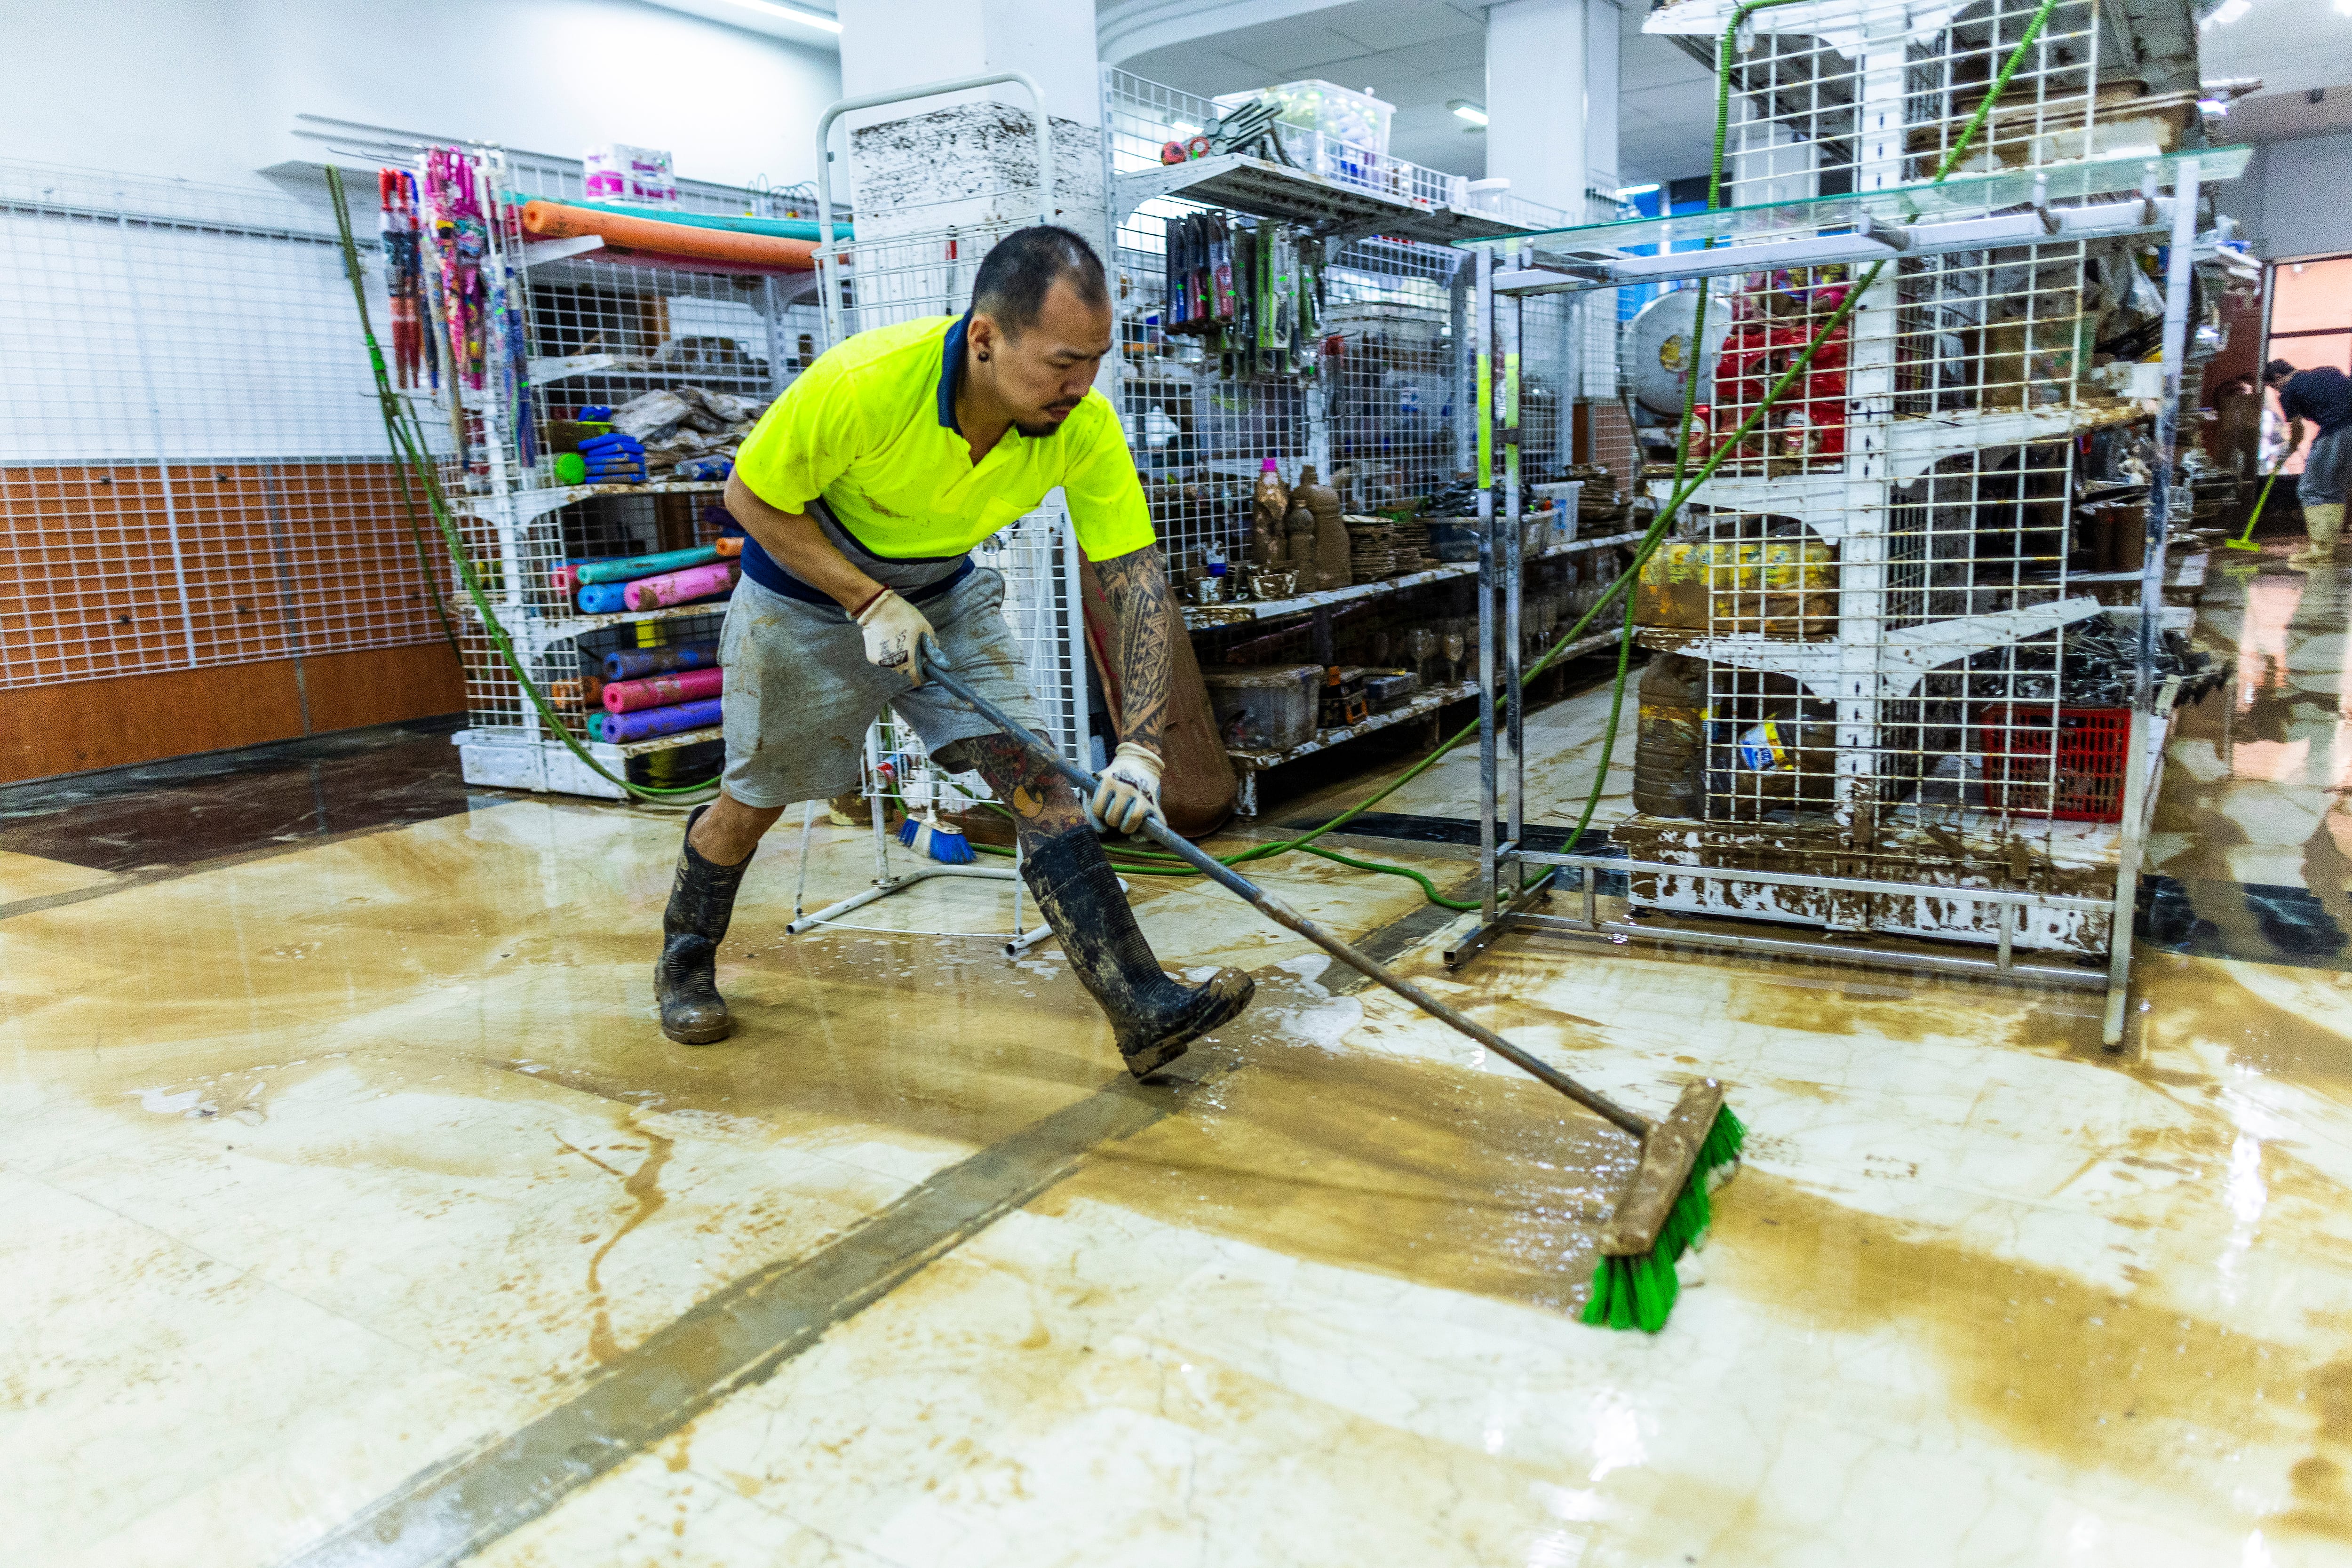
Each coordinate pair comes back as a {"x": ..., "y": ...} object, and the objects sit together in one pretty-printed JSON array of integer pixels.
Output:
[
  {"x": 1334, "y": 554},
  {"x": 1270, "y": 504},
  {"x": 1298, "y": 544}
]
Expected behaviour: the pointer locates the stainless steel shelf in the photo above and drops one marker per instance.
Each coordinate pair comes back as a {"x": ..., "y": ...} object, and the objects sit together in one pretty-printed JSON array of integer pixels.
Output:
[
  {"x": 1272, "y": 189},
  {"x": 1421, "y": 703},
  {"x": 1198, "y": 617}
]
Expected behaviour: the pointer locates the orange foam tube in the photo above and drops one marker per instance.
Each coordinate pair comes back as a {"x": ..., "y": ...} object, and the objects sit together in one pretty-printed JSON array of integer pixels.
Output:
[{"x": 553, "y": 220}]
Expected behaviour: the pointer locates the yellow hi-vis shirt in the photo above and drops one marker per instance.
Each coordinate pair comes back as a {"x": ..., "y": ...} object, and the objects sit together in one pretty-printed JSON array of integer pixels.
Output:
[{"x": 870, "y": 427}]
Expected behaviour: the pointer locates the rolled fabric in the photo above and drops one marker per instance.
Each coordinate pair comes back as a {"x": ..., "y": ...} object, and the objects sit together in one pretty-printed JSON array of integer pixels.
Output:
[
  {"x": 603, "y": 598},
  {"x": 662, "y": 690},
  {"x": 556, "y": 220},
  {"x": 678, "y": 587},
  {"x": 645, "y": 724},
  {"x": 630, "y": 567},
  {"x": 629, "y": 663}
]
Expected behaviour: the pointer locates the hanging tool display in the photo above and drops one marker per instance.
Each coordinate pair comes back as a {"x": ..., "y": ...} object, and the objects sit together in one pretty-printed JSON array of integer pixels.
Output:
[
  {"x": 404, "y": 272},
  {"x": 1251, "y": 290},
  {"x": 459, "y": 236}
]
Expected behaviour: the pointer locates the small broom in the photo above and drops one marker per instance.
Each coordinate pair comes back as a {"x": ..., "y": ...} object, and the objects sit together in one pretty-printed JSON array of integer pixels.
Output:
[
  {"x": 1665, "y": 1206},
  {"x": 930, "y": 836},
  {"x": 935, "y": 839}
]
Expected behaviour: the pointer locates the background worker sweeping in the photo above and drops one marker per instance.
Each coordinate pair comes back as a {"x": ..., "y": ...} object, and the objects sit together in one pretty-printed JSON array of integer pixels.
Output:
[
  {"x": 2323, "y": 396},
  {"x": 864, "y": 490}
]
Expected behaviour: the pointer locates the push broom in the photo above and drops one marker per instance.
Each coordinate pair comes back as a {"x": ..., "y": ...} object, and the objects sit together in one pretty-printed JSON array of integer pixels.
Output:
[
  {"x": 2246, "y": 539},
  {"x": 1665, "y": 1206}
]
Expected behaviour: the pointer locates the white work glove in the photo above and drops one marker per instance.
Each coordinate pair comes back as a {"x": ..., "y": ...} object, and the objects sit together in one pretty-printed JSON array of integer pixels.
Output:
[
  {"x": 893, "y": 627},
  {"x": 1130, "y": 792}
]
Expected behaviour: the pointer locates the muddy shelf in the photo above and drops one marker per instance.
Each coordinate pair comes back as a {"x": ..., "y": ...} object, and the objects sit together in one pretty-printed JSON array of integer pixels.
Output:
[
  {"x": 1198, "y": 617},
  {"x": 1270, "y": 190},
  {"x": 1249, "y": 764}
]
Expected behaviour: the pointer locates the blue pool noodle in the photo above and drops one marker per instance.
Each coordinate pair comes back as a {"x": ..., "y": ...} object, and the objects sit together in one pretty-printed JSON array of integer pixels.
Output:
[{"x": 646, "y": 722}]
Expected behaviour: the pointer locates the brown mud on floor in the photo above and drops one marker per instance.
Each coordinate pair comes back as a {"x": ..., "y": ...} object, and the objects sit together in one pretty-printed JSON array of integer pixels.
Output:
[
  {"x": 2091, "y": 1378},
  {"x": 1468, "y": 1181},
  {"x": 2202, "y": 1002}
]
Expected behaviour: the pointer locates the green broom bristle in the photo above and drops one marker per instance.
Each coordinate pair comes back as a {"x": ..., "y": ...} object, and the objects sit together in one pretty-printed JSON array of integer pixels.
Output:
[{"x": 1640, "y": 1292}]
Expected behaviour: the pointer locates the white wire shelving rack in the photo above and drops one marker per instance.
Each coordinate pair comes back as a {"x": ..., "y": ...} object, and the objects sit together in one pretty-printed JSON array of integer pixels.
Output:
[
  {"x": 1873, "y": 746},
  {"x": 597, "y": 332},
  {"x": 1379, "y": 408}
]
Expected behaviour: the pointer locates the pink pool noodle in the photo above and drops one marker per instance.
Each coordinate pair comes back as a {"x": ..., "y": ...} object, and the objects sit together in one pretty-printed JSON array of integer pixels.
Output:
[
  {"x": 661, "y": 690},
  {"x": 681, "y": 588}
]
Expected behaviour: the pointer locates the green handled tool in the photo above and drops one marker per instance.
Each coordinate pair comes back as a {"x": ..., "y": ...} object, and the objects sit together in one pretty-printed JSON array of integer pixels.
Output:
[
  {"x": 1664, "y": 1205},
  {"x": 2245, "y": 540}
]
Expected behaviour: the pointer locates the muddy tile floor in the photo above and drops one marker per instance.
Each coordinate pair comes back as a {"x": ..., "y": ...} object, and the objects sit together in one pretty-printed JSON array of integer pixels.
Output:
[{"x": 358, "y": 1214}]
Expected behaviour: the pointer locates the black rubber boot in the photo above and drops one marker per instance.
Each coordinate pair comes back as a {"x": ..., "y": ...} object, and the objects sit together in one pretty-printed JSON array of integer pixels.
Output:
[
  {"x": 1155, "y": 1018},
  {"x": 686, "y": 977}
]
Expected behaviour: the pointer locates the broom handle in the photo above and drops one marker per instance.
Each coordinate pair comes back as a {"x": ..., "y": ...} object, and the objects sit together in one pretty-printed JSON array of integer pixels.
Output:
[
  {"x": 937, "y": 667},
  {"x": 2261, "y": 501}
]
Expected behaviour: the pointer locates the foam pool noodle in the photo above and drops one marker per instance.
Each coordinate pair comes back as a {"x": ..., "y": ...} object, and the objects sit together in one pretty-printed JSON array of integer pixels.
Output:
[{"x": 678, "y": 587}]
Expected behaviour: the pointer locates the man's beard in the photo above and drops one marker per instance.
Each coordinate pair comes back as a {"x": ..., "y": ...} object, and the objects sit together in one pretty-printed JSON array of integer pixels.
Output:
[{"x": 1035, "y": 431}]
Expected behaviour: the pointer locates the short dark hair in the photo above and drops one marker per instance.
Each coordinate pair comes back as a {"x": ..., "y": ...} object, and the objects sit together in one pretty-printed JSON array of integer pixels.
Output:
[
  {"x": 1019, "y": 269},
  {"x": 2275, "y": 369}
]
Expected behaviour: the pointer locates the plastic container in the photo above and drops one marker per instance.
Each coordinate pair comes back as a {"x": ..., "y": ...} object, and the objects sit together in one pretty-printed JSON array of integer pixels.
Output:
[
  {"x": 2083, "y": 782},
  {"x": 1453, "y": 539},
  {"x": 1265, "y": 707},
  {"x": 1566, "y": 497},
  {"x": 1782, "y": 589},
  {"x": 1357, "y": 119}
]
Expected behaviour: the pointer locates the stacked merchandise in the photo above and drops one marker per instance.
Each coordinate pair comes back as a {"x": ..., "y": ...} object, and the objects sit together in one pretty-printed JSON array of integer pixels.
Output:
[
  {"x": 673, "y": 433},
  {"x": 651, "y": 691},
  {"x": 1410, "y": 541},
  {"x": 1372, "y": 544},
  {"x": 636, "y": 583},
  {"x": 1600, "y": 502}
]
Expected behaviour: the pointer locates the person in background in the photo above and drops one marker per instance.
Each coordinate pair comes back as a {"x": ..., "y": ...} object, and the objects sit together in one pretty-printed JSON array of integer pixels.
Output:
[{"x": 2323, "y": 396}]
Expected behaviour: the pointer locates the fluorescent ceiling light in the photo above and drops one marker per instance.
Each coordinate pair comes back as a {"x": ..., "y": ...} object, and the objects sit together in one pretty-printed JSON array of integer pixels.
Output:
[
  {"x": 818, "y": 19},
  {"x": 1629, "y": 191},
  {"x": 1477, "y": 116}
]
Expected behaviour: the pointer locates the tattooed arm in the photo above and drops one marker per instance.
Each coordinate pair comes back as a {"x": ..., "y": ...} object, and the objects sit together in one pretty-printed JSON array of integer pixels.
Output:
[{"x": 1146, "y": 615}]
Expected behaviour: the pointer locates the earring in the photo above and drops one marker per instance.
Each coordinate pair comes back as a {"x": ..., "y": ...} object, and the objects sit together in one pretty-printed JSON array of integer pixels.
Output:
[{"x": 983, "y": 354}]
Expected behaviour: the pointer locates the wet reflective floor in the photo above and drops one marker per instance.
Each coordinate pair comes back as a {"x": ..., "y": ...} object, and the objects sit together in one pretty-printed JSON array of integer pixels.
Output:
[{"x": 358, "y": 1213}]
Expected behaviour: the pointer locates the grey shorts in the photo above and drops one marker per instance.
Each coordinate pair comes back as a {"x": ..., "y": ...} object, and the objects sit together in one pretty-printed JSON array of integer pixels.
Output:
[
  {"x": 799, "y": 693},
  {"x": 2327, "y": 470}
]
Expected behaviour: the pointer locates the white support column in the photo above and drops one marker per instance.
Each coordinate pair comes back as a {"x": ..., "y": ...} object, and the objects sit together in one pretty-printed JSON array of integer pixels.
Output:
[
  {"x": 1870, "y": 406},
  {"x": 965, "y": 158},
  {"x": 1536, "y": 108}
]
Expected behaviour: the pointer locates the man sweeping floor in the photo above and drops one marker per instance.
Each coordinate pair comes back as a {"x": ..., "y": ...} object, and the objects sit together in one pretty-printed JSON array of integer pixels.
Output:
[
  {"x": 864, "y": 490},
  {"x": 2323, "y": 396}
]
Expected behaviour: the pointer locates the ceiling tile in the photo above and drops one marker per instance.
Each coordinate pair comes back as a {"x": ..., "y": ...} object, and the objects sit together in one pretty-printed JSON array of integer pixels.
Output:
[{"x": 1392, "y": 25}]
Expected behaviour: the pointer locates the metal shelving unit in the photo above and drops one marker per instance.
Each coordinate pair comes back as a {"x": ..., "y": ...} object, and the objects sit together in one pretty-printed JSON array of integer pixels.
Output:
[
  {"x": 594, "y": 332},
  {"x": 1381, "y": 418},
  {"x": 1872, "y": 769}
]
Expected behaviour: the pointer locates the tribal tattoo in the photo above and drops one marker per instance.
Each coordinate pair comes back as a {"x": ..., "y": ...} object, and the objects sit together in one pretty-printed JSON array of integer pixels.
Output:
[
  {"x": 1043, "y": 804},
  {"x": 1137, "y": 587}
]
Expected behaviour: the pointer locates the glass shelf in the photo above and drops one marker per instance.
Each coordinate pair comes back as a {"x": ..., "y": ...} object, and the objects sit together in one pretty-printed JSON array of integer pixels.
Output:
[{"x": 1959, "y": 196}]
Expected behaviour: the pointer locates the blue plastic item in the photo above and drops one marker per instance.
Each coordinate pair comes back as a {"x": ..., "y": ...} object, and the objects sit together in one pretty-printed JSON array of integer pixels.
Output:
[{"x": 603, "y": 598}]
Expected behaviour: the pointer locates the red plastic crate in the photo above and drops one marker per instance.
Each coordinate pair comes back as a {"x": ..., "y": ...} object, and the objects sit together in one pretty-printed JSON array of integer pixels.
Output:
[{"x": 2087, "y": 785}]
